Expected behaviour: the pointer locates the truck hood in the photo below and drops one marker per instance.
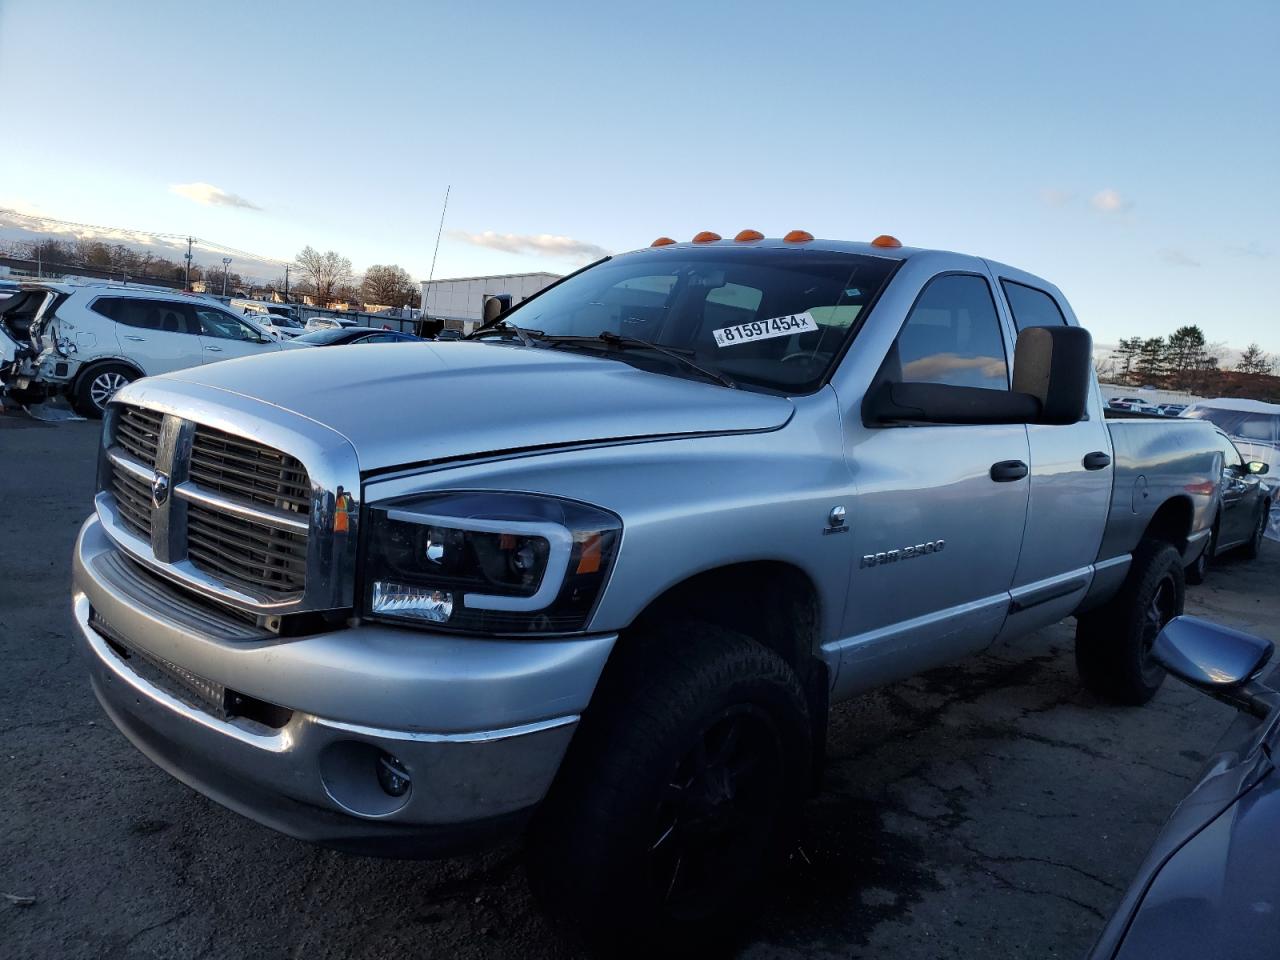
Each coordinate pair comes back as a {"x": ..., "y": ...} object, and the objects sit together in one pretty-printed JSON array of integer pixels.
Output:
[{"x": 409, "y": 403}]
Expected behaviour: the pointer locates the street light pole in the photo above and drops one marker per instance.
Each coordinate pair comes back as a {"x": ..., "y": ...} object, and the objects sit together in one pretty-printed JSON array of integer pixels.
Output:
[{"x": 226, "y": 262}]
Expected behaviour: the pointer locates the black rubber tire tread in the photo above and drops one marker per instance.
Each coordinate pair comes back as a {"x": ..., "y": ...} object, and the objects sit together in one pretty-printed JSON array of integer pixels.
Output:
[
  {"x": 81, "y": 402},
  {"x": 1109, "y": 654},
  {"x": 1253, "y": 547},
  {"x": 657, "y": 692}
]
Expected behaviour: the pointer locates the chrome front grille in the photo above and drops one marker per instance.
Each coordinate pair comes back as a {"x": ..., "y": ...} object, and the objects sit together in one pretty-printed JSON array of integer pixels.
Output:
[
  {"x": 222, "y": 511},
  {"x": 138, "y": 433},
  {"x": 226, "y": 464},
  {"x": 133, "y": 499},
  {"x": 246, "y": 551}
]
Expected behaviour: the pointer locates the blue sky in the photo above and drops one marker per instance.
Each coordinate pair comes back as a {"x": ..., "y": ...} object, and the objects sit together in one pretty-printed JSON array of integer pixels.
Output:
[{"x": 1127, "y": 151}]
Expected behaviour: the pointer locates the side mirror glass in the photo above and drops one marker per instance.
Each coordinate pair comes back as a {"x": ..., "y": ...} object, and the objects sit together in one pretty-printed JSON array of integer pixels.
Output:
[
  {"x": 1053, "y": 364},
  {"x": 1222, "y": 662},
  {"x": 1258, "y": 468}
]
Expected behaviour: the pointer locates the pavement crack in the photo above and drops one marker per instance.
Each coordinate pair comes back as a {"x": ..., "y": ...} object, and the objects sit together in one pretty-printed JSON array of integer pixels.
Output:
[
  {"x": 1007, "y": 858},
  {"x": 155, "y": 926}
]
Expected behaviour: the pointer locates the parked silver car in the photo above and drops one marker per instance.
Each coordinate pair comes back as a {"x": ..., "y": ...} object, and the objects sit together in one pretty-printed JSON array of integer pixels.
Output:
[{"x": 599, "y": 576}]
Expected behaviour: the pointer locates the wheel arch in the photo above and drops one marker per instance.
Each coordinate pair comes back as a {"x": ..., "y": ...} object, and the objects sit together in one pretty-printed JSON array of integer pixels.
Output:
[
  {"x": 1172, "y": 522},
  {"x": 97, "y": 363},
  {"x": 773, "y": 602}
]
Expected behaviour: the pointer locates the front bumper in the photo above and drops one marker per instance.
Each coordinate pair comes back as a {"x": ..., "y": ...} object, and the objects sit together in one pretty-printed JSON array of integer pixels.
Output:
[{"x": 480, "y": 726}]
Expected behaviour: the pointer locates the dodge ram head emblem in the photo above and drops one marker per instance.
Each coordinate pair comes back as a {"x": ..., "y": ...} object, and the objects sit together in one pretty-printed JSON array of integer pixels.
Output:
[{"x": 160, "y": 490}]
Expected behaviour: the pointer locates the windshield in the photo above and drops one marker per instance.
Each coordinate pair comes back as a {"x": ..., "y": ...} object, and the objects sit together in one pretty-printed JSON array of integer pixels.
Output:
[
  {"x": 1245, "y": 424},
  {"x": 770, "y": 318},
  {"x": 329, "y": 335},
  {"x": 281, "y": 319}
]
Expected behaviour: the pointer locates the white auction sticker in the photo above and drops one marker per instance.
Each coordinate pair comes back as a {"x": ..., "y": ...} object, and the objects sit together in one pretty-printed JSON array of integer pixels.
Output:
[{"x": 764, "y": 329}]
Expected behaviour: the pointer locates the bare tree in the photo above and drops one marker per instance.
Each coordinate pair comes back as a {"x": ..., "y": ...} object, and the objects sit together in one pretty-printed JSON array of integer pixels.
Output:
[
  {"x": 326, "y": 271},
  {"x": 388, "y": 285}
]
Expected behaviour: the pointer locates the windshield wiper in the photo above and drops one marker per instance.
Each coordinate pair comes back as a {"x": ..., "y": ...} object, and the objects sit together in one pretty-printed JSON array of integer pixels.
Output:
[
  {"x": 527, "y": 338},
  {"x": 636, "y": 343}
]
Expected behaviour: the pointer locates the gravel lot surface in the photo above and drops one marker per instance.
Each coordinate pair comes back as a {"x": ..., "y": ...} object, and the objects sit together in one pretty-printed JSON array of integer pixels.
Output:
[{"x": 990, "y": 809}]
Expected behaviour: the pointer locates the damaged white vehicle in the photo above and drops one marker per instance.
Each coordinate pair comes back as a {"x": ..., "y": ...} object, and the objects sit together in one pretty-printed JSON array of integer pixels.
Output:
[{"x": 89, "y": 340}]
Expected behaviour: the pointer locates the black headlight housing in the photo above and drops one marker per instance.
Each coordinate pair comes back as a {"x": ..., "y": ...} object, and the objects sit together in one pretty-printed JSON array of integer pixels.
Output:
[{"x": 486, "y": 562}]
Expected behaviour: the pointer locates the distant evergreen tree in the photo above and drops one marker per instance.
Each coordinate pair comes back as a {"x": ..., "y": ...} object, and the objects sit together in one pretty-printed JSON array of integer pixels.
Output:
[{"x": 1253, "y": 360}]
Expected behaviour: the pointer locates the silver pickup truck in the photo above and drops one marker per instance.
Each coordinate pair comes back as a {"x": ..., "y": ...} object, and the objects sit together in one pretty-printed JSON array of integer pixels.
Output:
[{"x": 597, "y": 574}]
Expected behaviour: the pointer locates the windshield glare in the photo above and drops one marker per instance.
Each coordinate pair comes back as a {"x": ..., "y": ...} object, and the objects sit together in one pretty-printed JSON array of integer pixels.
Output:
[
  {"x": 774, "y": 319},
  {"x": 1245, "y": 424}
]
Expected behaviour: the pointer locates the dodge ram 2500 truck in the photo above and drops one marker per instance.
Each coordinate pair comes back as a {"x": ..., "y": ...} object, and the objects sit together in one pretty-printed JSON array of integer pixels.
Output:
[{"x": 598, "y": 574}]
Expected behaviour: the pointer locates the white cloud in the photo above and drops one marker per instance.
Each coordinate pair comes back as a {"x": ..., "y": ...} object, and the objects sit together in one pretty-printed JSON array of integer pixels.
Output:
[
  {"x": 541, "y": 244},
  {"x": 1054, "y": 197},
  {"x": 210, "y": 196},
  {"x": 1178, "y": 258},
  {"x": 1110, "y": 201},
  {"x": 1251, "y": 249}
]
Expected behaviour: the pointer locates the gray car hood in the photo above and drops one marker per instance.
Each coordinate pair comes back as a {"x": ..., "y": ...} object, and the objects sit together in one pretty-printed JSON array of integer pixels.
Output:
[{"x": 406, "y": 402}]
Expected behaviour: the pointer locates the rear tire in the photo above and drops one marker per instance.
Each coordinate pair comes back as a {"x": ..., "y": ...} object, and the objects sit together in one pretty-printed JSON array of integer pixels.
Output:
[
  {"x": 98, "y": 385},
  {"x": 679, "y": 791},
  {"x": 1113, "y": 643}
]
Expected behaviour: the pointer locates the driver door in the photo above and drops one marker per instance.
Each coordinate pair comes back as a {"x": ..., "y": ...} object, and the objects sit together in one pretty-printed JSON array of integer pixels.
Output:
[
  {"x": 225, "y": 336},
  {"x": 939, "y": 516},
  {"x": 1238, "y": 488}
]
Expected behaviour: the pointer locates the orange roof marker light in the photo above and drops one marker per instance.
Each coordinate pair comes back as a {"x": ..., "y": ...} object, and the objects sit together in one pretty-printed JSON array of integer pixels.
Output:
[
  {"x": 798, "y": 236},
  {"x": 662, "y": 242},
  {"x": 706, "y": 236},
  {"x": 884, "y": 240},
  {"x": 746, "y": 236}
]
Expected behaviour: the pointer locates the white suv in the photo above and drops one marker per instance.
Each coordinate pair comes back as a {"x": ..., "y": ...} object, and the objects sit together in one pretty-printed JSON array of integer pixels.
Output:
[{"x": 90, "y": 340}]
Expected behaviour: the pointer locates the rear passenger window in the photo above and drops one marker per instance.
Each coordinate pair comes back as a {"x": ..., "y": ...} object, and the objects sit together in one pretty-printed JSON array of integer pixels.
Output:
[
  {"x": 952, "y": 336},
  {"x": 157, "y": 315},
  {"x": 1032, "y": 307}
]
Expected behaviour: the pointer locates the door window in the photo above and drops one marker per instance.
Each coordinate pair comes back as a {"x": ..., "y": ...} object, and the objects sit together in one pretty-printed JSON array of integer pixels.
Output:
[
  {"x": 1032, "y": 307},
  {"x": 159, "y": 315},
  {"x": 952, "y": 336},
  {"x": 215, "y": 323}
]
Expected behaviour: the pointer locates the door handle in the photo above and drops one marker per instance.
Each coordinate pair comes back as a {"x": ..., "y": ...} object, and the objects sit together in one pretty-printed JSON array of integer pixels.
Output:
[
  {"x": 137, "y": 339},
  {"x": 1007, "y": 471},
  {"x": 1096, "y": 460},
  {"x": 214, "y": 349}
]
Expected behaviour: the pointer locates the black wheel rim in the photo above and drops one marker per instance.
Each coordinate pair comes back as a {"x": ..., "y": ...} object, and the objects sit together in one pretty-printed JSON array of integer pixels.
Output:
[
  {"x": 715, "y": 818},
  {"x": 1162, "y": 608}
]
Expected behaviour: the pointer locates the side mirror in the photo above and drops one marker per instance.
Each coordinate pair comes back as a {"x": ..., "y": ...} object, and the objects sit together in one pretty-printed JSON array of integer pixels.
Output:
[
  {"x": 1257, "y": 467},
  {"x": 1053, "y": 365},
  {"x": 943, "y": 403},
  {"x": 1222, "y": 662}
]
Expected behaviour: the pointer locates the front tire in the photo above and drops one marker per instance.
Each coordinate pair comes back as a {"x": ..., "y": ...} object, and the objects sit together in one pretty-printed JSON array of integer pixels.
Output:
[
  {"x": 678, "y": 792},
  {"x": 1254, "y": 546},
  {"x": 1113, "y": 643},
  {"x": 1198, "y": 571},
  {"x": 98, "y": 385}
]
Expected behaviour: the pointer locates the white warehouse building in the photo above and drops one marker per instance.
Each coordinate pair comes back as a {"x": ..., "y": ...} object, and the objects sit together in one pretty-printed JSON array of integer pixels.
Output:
[{"x": 460, "y": 301}]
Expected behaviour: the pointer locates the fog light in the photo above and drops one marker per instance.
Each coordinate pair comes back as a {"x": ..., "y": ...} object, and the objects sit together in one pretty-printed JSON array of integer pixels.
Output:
[
  {"x": 416, "y": 603},
  {"x": 392, "y": 776}
]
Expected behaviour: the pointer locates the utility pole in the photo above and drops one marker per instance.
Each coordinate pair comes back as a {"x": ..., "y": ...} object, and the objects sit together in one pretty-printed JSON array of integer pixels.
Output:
[
  {"x": 187, "y": 276},
  {"x": 226, "y": 262},
  {"x": 286, "y": 283}
]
